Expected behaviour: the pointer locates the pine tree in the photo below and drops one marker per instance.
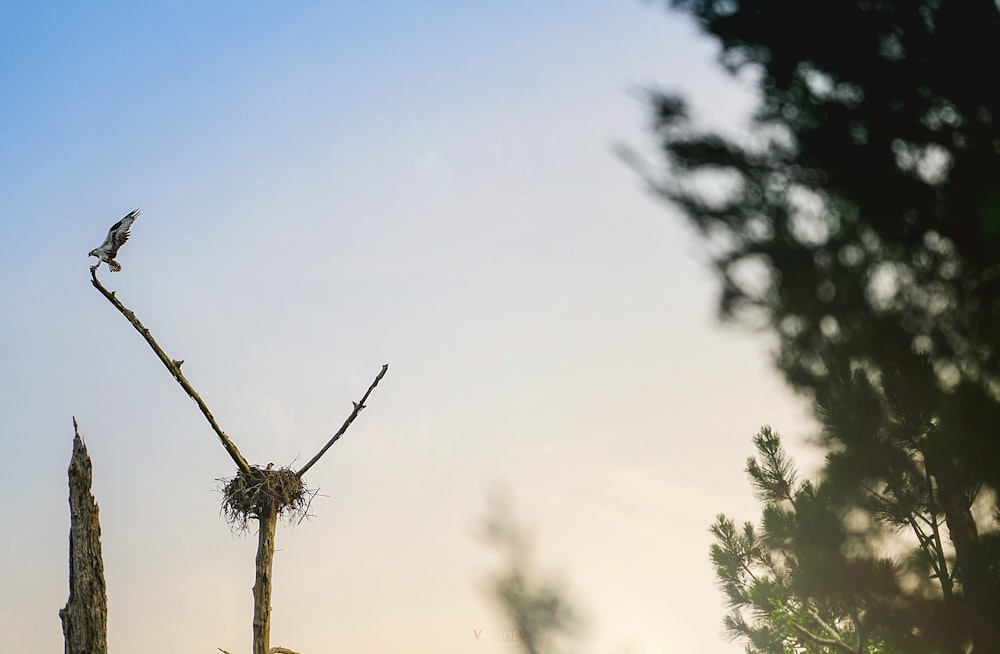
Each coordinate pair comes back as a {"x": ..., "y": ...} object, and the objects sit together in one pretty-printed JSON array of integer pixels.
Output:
[
  {"x": 860, "y": 222},
  {"x": 812, "y": 576}
]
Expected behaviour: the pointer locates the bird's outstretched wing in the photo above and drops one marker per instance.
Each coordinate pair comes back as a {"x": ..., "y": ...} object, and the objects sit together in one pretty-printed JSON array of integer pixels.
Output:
[{"x": 119, "y": 233}]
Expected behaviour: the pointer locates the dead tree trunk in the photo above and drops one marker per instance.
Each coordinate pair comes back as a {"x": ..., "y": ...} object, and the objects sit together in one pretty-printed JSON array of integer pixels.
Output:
[
  {"x": 268, "y": 519},
  {"x": 255, "y": 492},
  {"x": 85, "y": 616}
]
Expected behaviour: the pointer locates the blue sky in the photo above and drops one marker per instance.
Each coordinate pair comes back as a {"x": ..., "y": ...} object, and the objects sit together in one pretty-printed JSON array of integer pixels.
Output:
[{"x": 327, "y": 187}]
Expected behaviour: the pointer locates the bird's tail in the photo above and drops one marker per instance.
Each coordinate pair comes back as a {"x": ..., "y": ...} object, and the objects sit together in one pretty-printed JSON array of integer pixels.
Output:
[{"x": 114, "y": 265}]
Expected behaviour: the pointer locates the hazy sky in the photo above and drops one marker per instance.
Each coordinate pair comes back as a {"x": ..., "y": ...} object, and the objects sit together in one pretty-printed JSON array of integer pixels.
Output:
[{"x": 327, "y": 187}]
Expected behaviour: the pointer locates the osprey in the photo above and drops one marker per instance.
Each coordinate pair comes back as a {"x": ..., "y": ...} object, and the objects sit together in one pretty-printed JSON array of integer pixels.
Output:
[{"x": 117, "y": 236}]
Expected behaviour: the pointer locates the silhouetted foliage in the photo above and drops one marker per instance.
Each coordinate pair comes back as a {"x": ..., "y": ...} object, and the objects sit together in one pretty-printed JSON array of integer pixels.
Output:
[
  {"x": 537, "y": 606},
  {"x": 862, "y": 217},
  {"x": 814, "y": 574},
  {"x": 859, "y": 221}
]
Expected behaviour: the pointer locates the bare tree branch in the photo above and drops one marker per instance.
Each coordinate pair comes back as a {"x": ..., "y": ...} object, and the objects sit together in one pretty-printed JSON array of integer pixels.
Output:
[
  {"x": 835, "y": 643},
  {"x": 173, "y": 365},
  {"x": 347, "y": 423}
]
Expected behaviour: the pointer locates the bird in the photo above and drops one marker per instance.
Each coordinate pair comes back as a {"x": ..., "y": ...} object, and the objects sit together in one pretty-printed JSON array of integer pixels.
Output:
[{"x": 117, "y": 236}]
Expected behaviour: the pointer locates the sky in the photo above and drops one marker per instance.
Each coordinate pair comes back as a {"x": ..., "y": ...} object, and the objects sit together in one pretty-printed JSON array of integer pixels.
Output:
[{"x": 326, "y": 188}]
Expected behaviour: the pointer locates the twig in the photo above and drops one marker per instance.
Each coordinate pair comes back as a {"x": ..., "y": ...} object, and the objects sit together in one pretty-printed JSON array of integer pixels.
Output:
[
  {"x": 175, "y": 369},
  {"x": 305, "y": 512},
  {"x": 834, "y": 643},
  {"x": 347, "y": 423}
]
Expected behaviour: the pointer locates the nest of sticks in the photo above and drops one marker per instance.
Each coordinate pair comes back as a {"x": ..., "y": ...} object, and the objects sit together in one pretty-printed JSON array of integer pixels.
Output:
[{"x": 264, "y": 491}]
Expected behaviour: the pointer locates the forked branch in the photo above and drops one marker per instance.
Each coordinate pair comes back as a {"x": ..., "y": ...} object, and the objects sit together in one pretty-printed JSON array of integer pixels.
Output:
[
  {"x": 347, "y": 423},
  {"x": 174, "y": 367}
]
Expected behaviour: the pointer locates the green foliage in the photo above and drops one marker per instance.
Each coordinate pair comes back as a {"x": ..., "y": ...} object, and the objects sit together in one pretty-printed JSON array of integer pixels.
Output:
[
  {"x": 774, "y": 477},
  {"x": 798, "y": 583},
  {"x": 859, "y": 219},
  {"x": 816, "y": 569},
  {"x": 864, "y": 215}
]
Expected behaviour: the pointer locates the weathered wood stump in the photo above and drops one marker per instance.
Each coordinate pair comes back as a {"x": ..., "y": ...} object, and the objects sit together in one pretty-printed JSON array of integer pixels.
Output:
[{"x": 85, "y": 616}]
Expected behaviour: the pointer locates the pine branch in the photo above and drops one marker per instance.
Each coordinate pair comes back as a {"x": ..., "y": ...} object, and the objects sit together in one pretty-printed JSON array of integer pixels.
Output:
[
  {"x": 347, "y": 423},
  {"x": 830, "y": 630},
  {"x": 836, "y": 643},
  {"x": 945, "y": 578},
  {"x": 174, "y": 366}
]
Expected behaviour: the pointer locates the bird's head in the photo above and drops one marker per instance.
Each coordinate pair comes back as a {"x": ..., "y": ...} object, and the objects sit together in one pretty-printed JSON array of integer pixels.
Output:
[{"x": 93, "y": 253}]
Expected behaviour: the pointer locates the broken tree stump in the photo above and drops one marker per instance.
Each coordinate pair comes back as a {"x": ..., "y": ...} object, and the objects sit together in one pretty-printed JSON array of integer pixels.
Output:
[{"x": 85, "y": 616}]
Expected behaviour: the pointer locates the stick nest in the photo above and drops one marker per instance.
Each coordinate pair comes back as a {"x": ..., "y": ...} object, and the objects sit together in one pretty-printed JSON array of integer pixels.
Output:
[{"x": 278, "y": 491}]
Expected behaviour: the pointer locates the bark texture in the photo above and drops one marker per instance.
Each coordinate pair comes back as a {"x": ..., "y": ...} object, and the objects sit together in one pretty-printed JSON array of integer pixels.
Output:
[
  {"x": 268, "y": 519},
  {"x": 85, "y": 616}
]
